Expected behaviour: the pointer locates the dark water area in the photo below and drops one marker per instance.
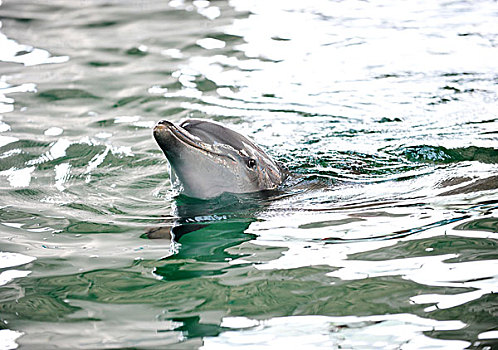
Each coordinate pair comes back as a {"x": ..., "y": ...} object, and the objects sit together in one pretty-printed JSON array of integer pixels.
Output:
[{"x": 385, "y": 236}]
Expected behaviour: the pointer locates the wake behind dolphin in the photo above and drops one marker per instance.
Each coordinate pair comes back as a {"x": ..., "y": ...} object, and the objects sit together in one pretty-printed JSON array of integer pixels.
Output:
[{"x": 208, "y": 159}]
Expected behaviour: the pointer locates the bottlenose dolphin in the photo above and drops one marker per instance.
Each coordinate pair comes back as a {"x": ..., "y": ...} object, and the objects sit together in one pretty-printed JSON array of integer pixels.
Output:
[{"x": 207, "y": 159}]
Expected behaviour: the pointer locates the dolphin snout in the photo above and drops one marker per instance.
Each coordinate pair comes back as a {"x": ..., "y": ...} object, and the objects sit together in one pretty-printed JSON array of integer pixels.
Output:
[
  {"x": 162, "y": 124},
  {"x": 162, "y": 132}
]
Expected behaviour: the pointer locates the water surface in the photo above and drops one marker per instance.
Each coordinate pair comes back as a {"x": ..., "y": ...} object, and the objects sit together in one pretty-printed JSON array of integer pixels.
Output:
[{"x": 385, "y": 237}]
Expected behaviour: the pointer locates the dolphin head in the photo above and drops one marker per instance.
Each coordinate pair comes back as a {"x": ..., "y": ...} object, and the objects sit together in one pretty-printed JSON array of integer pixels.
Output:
[{"x": 208, "y": 159}]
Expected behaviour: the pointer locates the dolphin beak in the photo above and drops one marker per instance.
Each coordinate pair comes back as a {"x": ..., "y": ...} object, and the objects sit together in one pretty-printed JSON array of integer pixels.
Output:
[
  {"x": 162, "y": 125},
  {"x": 169, "y": 135},
  {"x": 172, "y": 138},
  {"x": 166, "y": 131},
  {"x": 164, "y": 135}
]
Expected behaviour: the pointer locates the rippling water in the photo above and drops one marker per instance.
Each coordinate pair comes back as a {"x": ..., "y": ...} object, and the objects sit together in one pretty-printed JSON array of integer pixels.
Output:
[{"x": 385, "y": 112}]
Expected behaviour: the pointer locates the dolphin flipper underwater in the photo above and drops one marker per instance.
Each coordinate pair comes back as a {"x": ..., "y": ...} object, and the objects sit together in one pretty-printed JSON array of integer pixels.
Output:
[{"x": 207, "y": 159}]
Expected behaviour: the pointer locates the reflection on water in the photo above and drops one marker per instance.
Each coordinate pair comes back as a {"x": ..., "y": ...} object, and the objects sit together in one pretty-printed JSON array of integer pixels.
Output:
[
  {"x": 318, "y": 332},
  {"x": 384, "y": 237}
]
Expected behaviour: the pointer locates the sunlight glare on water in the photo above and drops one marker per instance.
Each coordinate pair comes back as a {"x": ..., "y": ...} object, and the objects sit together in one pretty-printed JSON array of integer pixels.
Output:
[{"x": 383, "y": 237}]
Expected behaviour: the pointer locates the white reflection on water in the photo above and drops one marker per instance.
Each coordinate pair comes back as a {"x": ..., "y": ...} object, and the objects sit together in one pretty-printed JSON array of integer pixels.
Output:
[
  {"x": 108, "y": 326},
  {"x": 18, "y": 177},
  {"x": 319, "y": 332},
  {"x": 135, "y": 120},
  {"x": 62, "y": 174},
  {"x": 58, "y": 149},
  {"x": 14, "y": 259},
  {"x": 8, "y": 339},
  {"x": 53, "y": 131},
  {"x": 3, "y": 126},
  {"x": 210, "y": 43},
  {"x": 430, "y": 269},
  {"x": 97, "y": 160},
  {"x": 5, "y": 140},
  {"x": 201, "y": 6},
  {"x": 10, "y": 275},
  {"x": 7, "y": 103},
  {"x": 12, "y": 51},
  {"x": 479, "y": 275},
  {"x": 397, "y": 38},
  {"x": 489, "y": 335},
  {"x": 355, "y": 59}
]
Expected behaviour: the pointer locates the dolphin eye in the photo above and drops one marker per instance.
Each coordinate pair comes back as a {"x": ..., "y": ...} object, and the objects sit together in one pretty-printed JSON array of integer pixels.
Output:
[{"x": 251, "y": 163}]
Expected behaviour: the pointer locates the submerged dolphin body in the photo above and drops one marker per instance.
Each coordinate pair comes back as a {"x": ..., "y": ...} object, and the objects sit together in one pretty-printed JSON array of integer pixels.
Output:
[{"x": 208, "y": 159}]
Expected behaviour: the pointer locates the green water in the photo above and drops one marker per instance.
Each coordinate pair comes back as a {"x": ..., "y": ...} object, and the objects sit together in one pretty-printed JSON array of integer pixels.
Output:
[{"x": 385, "y": 237}]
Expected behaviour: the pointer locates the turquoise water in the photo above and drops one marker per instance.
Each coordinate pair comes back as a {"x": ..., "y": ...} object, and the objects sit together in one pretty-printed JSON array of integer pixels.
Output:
[{"x": 384, "y": 238}]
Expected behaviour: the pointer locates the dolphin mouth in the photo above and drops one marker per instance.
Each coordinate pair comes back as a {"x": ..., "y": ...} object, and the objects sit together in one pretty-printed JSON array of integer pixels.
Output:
[
  {"x": 179, "y": 134},
  {"x": 185, "y": 138}
]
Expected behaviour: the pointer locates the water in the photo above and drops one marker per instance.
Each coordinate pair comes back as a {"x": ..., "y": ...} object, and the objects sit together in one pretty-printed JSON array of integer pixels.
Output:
[{"x": 385, "y": 112}]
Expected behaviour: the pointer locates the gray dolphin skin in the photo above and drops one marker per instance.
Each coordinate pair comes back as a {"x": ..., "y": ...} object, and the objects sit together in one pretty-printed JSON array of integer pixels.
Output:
[{"x": 207, "y": 159}]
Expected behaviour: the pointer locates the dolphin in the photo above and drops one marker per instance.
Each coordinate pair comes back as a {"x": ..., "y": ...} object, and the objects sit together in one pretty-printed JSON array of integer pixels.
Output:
[{"x": 208, "y": 159}]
